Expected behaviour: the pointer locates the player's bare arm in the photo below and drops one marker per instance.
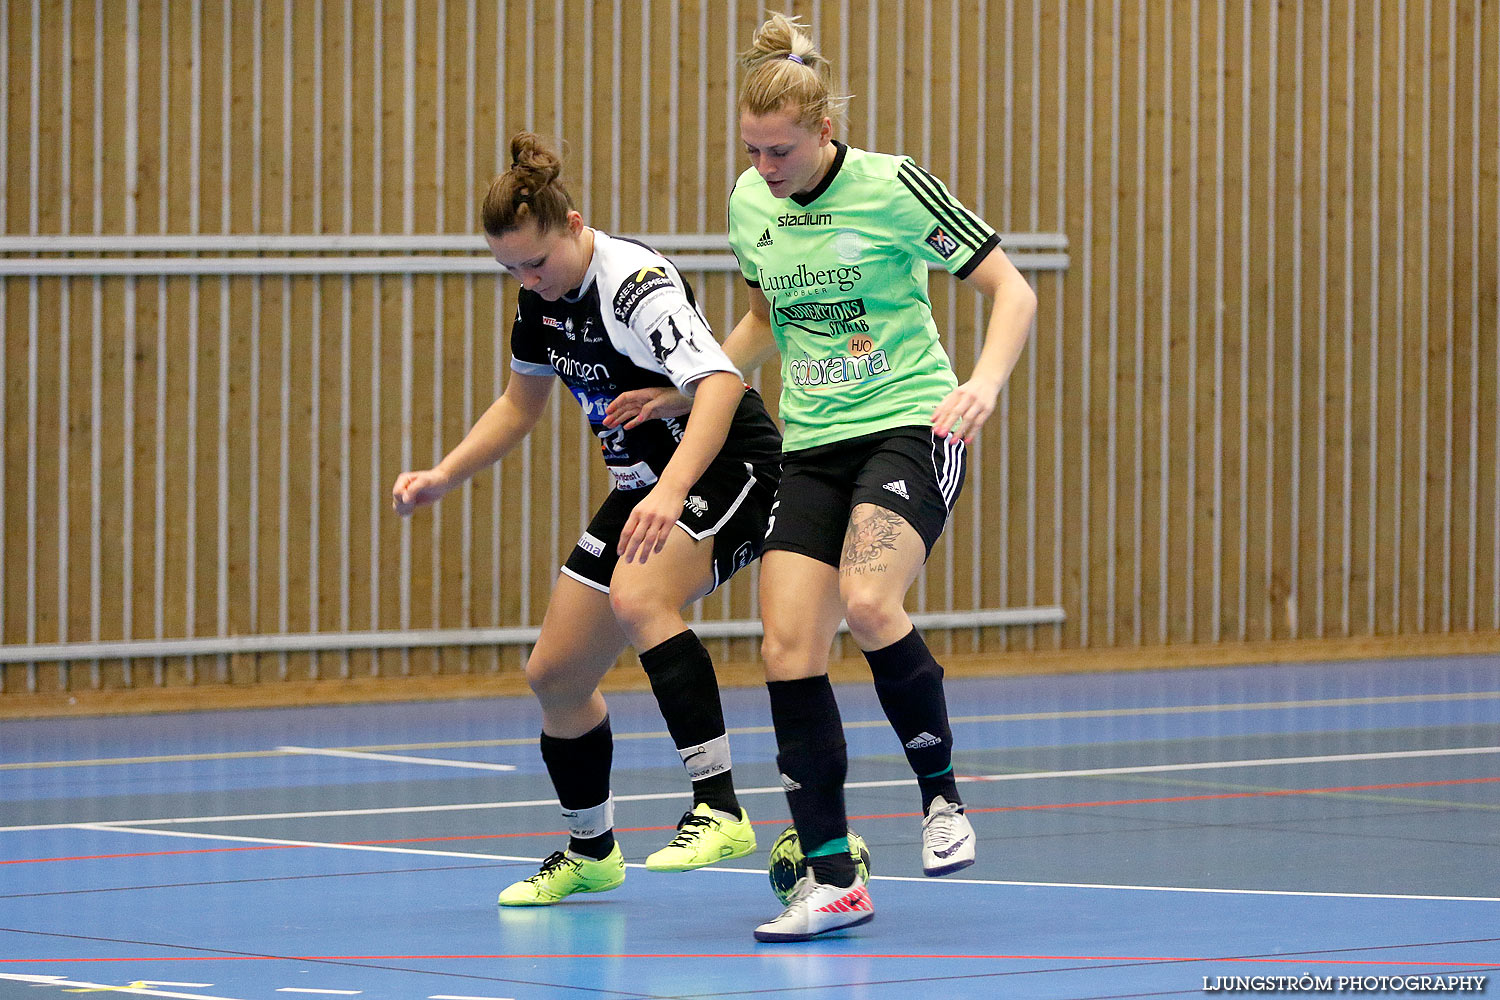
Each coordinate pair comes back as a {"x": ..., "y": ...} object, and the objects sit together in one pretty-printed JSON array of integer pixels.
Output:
[
  {"x": 507, "y": 421},
  {"x": 969, "y": 406}
]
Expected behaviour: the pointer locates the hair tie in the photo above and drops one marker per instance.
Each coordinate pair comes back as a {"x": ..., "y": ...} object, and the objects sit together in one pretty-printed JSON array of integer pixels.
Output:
[{"x": 794, "y": 57}]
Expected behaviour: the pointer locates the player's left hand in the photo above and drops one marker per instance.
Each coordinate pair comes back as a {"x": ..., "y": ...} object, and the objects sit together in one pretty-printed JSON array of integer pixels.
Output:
[
  {"x": 650, "y": 525},
  {"x": 965, "y": 410},
  {"x": 635, "y": 406}
]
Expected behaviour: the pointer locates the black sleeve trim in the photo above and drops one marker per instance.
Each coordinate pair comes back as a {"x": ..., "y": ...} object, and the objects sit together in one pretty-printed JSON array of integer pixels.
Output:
[{"x": 979, "y": 255}]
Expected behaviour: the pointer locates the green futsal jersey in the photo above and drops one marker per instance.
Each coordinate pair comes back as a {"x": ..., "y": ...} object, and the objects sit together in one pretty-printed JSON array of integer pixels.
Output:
[{"x": 844, "y": 268}]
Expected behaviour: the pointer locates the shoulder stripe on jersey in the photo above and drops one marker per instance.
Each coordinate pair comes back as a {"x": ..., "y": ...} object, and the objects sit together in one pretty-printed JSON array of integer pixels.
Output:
[
  {"x": 954, "y": 223},
  {"x": 924, "y": 187},
  {"x": 939, "y": 195},
  {"x": 964, "y": 226}
]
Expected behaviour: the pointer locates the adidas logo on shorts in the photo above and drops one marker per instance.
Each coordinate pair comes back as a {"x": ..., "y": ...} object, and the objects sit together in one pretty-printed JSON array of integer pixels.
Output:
[
  {"x": 898, "y": 487},
  {"x": 765, "y": 239},
  {"x": 922, "y": 740}
]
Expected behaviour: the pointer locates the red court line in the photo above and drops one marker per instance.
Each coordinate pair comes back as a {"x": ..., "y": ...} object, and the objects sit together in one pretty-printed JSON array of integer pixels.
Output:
[
  {"x": 1163, "y": 800},
  {"x": 1175, "y": 959}
]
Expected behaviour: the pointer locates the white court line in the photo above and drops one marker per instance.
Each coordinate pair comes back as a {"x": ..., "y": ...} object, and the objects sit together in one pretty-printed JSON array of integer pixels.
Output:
[
  {"x": 277, "y": 842},
  {"x": 1179, "y": 888},
  {"x": 162, "y": 982},
  {"x": 363, "y": 755},
  {"x": 948, "y": 880},
  {"x": 1266, "y": 762},
  {"x": 1093, "y": 772},
  {"x": 761, "y": 872},
  {"x": 326, "y": 813},
  {"x": 101, "y": 988},
  {"x": 1101, "y": 713},
  {"x": 336, "y": 993}
]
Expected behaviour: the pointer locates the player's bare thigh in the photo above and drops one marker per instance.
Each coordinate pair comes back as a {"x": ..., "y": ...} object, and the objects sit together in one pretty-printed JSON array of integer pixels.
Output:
[{"x": 881, "y": 558}]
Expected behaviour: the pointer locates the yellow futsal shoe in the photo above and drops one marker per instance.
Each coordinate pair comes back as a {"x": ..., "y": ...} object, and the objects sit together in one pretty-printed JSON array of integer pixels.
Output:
[
  {"x": 564, "y": 874},
  {"x": 703, "y": 838}
]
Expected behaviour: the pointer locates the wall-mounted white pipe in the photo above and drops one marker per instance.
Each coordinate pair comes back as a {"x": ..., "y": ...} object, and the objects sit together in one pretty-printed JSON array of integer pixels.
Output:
[{"x": 419, "y": 638}]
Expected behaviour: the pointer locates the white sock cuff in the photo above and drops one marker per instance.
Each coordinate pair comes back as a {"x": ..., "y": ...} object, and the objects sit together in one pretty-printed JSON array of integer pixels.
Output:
[
  {"x": 704, "y": 760},
  {"x": 587, "y": 823}
]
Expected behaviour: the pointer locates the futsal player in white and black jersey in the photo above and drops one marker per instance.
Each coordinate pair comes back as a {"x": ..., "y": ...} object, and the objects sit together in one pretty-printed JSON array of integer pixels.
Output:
[{"x": 689, "y": 507}]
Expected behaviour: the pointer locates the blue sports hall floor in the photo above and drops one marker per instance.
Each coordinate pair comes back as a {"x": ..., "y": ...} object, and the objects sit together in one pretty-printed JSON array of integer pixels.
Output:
[{"x": 1172, "y": 833}]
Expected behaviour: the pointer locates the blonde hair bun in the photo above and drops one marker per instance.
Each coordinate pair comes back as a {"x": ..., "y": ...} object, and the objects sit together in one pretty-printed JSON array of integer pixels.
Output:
[{"x": 783, "y": 67}]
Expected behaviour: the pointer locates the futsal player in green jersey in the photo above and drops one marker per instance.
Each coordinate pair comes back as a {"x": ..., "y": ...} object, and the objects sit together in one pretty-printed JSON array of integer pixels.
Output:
[{"x": 835, "y": 244}]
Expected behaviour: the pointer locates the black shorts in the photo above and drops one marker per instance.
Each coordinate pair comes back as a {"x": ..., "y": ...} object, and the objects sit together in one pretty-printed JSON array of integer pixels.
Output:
[
  {"x": 731, "y": 502},
  {"x": 907, "y": 470}
]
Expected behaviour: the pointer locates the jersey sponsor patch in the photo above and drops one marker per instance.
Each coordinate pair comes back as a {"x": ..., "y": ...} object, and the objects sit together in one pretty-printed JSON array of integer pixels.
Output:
[
  {"x": 841, "y": 317},
  {"x": 850, "y": 246},
  {"x": 667, "y": 338},
  {"x": 743, "y": 556},
  {"x": 595, "y": 405},
  {"x": 945, "y": 245},
  {"x": 588, "y": 326},
  {"x": 632, "y": 477},
  {"x": 814, "y": 372},
  {"x": 570, "y": 368},
  {"x": 803, "y": 219},
  {"x": 591, "y": 545},
  {"x": 637, "y": 288},
  {"x": 806, "y": 279}
]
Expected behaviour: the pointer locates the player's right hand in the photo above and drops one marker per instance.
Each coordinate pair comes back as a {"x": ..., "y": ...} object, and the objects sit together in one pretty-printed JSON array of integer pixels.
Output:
[
  {"x": 635, "y": 406},
  {"x": 418, "y": 489}
]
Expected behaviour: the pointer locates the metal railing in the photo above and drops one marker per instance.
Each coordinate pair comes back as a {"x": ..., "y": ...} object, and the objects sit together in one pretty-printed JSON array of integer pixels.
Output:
[
  {"x": 463, "y": 254},
  {"x": 419, "y": 254}
]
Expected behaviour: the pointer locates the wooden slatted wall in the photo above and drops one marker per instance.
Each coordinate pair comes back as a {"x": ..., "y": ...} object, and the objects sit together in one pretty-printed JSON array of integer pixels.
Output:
[{"x": 1260, "y": 403}]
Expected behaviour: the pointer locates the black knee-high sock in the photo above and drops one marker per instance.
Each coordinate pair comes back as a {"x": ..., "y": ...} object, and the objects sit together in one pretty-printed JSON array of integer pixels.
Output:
[
  {"x": 579, "y": 769},
  {"x": 682, "y": 678},
  {"x": 814, "y": 761},
  {"x": 909, "y": 683}
]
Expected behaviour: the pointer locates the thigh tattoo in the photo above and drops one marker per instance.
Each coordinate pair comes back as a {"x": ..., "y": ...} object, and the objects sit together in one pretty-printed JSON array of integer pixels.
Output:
[{"x": 870, "y": 535}]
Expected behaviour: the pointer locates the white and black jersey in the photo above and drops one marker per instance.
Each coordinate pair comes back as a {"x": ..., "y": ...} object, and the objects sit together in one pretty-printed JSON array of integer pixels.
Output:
[{"x": 633, "y": 323}]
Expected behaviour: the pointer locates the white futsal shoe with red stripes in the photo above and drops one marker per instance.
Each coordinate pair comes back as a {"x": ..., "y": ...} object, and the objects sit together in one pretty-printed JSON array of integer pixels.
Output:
[{"x": 814, "y": 909}]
